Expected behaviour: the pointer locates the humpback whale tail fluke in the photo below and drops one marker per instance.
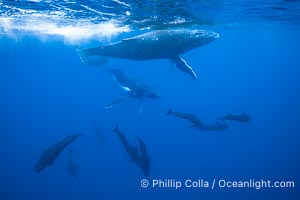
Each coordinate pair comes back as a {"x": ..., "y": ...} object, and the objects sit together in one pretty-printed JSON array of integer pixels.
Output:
[
  {"x": 116, "y": 129},
  {"x": 169, "y": 112}
]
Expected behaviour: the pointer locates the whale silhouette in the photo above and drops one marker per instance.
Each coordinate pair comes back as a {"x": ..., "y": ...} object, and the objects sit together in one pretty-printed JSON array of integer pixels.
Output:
[
  {"x": 159, "y": 44},
  {"x": 50, "y": 154}
]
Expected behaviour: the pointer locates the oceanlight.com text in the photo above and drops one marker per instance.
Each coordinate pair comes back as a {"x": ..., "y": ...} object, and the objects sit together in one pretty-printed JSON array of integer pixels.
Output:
[{"x": 215, "y": 184}]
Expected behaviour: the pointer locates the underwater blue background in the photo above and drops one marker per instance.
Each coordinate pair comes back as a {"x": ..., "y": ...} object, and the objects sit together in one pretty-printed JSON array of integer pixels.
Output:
[{"x": 46, "y": 94}]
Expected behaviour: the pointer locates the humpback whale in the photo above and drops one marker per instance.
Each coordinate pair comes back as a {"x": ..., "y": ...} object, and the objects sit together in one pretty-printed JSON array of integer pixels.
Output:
[
  {"x": 132, "y": 87},
  {"x": 50, "y": 154},
  {"x": 159, "y": 44},
  {"x": 242, "y": 117},
  {"x": 138, "y": 155}
]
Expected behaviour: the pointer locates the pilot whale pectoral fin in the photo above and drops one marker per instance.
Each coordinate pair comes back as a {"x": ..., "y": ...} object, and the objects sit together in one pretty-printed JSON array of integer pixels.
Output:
[{"x": 183, "y": 66}]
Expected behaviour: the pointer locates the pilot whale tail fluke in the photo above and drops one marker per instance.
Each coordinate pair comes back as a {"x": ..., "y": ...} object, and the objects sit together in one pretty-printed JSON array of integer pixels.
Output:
[{"x": 169, "y": 112}]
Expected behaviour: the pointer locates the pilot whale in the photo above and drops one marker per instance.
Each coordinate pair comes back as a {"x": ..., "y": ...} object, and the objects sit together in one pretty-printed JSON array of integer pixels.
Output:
[
  {"x": 242, "y": 117},
  {"x": 50, "y": 154},
  {"x": 159, "y": 44},
  {"x": 197, "y": 123},
  {"x": 187, "y": 116},
  {"x": 73, "y": 167},
  {"x": 138, "y": 154}
]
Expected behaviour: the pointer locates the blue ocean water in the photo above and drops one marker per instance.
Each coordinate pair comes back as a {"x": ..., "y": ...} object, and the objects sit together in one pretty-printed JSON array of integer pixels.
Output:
[{"x": 47, "y": 93}]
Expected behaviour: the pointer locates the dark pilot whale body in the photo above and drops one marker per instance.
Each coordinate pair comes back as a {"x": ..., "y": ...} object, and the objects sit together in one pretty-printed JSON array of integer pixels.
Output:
[
  {"x": 133, "y": 88},
  {"x": 217, "y": 126},
  {"x": 73, "y": 167},
  {"x": 242, "y": 117},
  {"x": 145, "y": 159},
  {"x": 138, "y": 155},
  {"x": 197, "y": 123},
  {"x": 188, "y": 116},
  {"x": 50, "y": 154},
  {"x": 160, "y": 44}
]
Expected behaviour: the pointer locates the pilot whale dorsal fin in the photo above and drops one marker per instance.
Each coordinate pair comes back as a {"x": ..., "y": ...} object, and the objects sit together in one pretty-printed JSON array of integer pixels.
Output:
[{"x": 182, "y": 65}]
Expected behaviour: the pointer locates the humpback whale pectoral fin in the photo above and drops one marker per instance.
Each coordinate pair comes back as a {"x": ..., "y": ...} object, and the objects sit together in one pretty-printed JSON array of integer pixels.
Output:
[
  {"x": 172, "y": 66},
  {"x": 115, "y": 102},
  {"x": 183, "y": 66},
  {"x": 82, "y": 55},
  {"x": 89, "y": 57},
  {"x": 130, "y": 39}
]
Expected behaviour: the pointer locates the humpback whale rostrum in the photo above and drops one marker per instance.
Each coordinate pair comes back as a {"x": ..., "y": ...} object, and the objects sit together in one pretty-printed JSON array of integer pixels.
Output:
[
  {"x": 159, "y": 44},
  {"x": 50, "y": 154}
]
